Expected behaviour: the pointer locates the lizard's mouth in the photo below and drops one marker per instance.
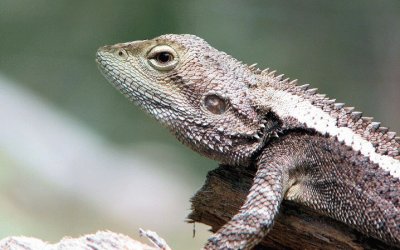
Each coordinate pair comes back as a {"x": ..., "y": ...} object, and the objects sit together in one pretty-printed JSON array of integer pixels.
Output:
[
  {"x": 100, "y": 53},
  {"x": 101, "y": 65},
  {"x": 98, "y": 58}
]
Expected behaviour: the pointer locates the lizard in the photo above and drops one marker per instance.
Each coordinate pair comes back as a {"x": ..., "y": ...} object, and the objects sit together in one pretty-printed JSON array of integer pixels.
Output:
[{"x": 306, "y": 147}]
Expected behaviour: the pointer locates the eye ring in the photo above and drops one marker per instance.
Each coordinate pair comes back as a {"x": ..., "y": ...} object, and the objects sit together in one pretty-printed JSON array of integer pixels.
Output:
[
  {"x": 121, "y": 53},
  {"x": 215, "y": 104},
  {"x": 162, "y": 58}
]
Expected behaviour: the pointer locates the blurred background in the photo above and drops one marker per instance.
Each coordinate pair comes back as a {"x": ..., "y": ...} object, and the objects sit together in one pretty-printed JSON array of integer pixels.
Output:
[{"x": 77, "y": 157}]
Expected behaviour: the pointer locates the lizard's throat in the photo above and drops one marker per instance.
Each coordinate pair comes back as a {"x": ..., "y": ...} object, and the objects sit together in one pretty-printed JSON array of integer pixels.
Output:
[{"x": 219, "y": 147}]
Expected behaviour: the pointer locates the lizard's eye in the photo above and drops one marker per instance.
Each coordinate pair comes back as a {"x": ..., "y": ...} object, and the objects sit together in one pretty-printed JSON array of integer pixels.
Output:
[
  {"x": 162, "y": 58},
  {"x": 121, "y": 53},
  {"x": 215, "y": 104}
]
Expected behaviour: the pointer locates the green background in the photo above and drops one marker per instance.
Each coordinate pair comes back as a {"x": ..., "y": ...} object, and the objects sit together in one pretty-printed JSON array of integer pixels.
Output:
[{"x": 348, "y": 49}]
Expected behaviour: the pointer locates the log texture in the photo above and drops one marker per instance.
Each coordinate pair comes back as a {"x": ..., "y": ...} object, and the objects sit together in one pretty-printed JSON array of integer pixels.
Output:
[
  {"x": 224, "y": 191},
  {"x": 98, "y": 241},
  {"x": 297, "y": 227}
]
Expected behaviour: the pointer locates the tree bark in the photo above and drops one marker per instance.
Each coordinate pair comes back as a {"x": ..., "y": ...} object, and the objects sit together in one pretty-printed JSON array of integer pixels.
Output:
[
  {"x": 224, "y": 191},
  {"x": 297, "y": 227},
  {"x": 99, "y": 241}
]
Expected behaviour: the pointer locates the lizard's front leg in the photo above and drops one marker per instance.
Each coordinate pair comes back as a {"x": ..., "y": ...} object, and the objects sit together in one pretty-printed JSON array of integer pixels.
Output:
[{"x": 256, "y": 217}]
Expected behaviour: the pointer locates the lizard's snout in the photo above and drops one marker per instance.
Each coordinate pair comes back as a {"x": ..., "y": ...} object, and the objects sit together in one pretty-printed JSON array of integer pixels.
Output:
[
  {"x": 99, "y": 56},
  {"x": 102, "y": 52}
]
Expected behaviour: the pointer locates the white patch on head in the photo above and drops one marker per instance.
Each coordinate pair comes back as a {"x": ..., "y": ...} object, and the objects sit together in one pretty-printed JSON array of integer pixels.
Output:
[{"x": 285, "y": 104}]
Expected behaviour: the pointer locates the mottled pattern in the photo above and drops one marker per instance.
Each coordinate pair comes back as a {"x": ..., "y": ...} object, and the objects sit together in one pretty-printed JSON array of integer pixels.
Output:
[
  {"x": 175, "y": 97},
  {"x": 289, "y": 105},
  {"x": 257, "y": 215},
  {"x": 329, "y": 177},
  {"x": 385, "y": 141},
  {"x": 307, "y": 147}
]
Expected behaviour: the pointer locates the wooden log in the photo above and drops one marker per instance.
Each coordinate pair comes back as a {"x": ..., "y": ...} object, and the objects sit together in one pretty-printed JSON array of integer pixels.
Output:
[
  {"x": 99, "y": 241},
  {"x": 297, "y": 227}
]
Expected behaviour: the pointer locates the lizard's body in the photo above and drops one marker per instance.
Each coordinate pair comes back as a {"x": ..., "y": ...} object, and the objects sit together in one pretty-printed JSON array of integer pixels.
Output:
[{"x": 307, "y": 148}]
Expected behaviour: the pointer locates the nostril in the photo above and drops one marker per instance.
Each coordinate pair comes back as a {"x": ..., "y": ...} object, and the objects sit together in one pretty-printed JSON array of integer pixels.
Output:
[{"x": 105, "y": 48}]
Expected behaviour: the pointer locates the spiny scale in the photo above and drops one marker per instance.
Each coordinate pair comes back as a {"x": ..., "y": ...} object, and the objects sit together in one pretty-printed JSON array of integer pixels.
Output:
[
  {"x": 384, "y": 137},
  {"x": 356, "y": 159},
  {"x": 346, "y": 114}
]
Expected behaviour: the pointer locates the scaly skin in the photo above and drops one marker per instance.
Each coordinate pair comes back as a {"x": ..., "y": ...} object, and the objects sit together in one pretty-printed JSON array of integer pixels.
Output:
[{"x": 307, "y": 147}]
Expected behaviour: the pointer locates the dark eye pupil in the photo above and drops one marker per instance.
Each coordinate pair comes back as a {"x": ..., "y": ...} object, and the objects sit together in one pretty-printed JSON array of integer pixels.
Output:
[
  {"x": 164, "y": 57},
  {"x": 215, "y": 104}
]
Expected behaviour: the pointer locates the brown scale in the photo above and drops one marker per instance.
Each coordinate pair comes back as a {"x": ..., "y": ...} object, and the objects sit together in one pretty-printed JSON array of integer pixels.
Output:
[{"x": 384, "y": 144}]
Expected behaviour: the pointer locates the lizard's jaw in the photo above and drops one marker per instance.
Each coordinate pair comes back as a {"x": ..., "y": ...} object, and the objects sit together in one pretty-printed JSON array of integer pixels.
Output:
[
  {"x": 131, "y": 84},
  {"x": 229, "y": 138}
]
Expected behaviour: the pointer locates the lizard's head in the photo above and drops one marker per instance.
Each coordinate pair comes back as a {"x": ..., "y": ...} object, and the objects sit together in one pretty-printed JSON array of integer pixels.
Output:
[{"x": 201, "y": 94}]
